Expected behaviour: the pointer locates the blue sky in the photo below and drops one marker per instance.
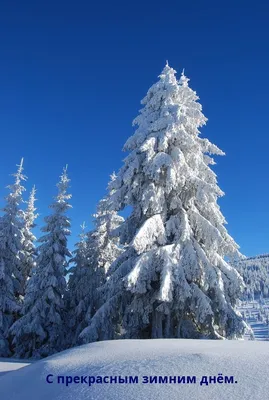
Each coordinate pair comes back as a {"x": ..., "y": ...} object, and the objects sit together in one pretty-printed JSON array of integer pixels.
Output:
[{"x": 72, "y": 75}]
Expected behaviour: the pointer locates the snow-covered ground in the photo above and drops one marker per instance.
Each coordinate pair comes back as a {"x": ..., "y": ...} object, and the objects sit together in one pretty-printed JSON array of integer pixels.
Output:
[
  {"x": 257, "y": 316},
  {"x": 9, "y": 365},
  {"x": 246, "y": 361}
]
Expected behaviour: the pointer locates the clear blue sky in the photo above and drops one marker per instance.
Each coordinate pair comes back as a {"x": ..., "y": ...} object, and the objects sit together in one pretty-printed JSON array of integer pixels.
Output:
[{"x": 72, "y": 75}]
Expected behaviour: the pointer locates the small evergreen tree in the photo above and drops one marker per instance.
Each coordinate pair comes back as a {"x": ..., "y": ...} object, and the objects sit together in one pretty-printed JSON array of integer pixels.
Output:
[
  {"x": 39, "y": 332},
  {"x": 76, "y": 297},
  {"x": 11, "y": 258},
  {"x": 173, "y": 280},
  {"x": 93, "y": 257}
]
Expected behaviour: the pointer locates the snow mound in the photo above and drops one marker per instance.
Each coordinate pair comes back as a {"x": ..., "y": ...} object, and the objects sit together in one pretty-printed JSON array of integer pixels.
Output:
[{"x": 246, "y": 361}]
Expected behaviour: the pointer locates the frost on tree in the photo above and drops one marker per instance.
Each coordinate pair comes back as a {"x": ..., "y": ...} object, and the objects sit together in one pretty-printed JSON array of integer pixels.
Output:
[
  {"x": 29, "y": 238},
  {"x": 255, "y": 272},
  {"x": 39, "y": 332},
  {"x": 174, "y": 279},
  {"x": 8, "y": 308},
  {"x": 11, "y": 258},
  {"x": 76, "y": 297},
  {"x": 94, "y": 254}
]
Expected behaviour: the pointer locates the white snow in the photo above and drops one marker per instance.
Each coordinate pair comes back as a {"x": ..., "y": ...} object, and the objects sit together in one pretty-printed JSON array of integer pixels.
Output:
[
  {"x": 151, "y": 231},
  {"x": 246, "y": 361},
  {"x": 9, "y": 365}
]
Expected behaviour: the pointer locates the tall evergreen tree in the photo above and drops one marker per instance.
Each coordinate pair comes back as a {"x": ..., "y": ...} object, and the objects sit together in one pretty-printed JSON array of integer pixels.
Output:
[
  {"x": 11, "y": 258},
  {"x": 173, "y": 280},
  {"x": 94, "y": 254},
  {"x": 39, "y": 332},
  {"x": 29, "y": 238}
]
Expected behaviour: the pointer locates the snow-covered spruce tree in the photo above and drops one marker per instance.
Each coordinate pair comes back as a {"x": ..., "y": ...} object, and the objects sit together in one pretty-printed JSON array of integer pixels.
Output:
[
  {"x": 173, "y": 280},
  {"x": 29, "y": 238},
  {"x": 11, "y": 257},
  {"x": 78, "y": 285},
  {"x": 105, "y": 246},
  {"x": 94, "y": 254},
  {"x": 39, "y": 332}
]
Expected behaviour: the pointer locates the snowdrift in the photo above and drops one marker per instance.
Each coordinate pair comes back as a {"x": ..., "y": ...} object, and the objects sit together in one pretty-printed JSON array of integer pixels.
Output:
[{"x": 246, "y": 361}]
